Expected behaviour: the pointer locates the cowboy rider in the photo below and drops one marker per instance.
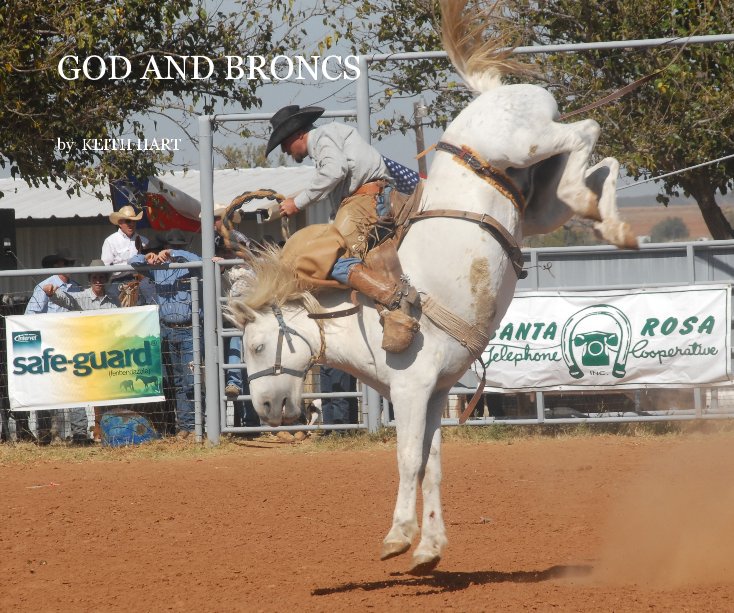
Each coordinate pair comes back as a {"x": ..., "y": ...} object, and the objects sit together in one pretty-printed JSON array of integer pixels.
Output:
[{"x": 352, "y": 175}]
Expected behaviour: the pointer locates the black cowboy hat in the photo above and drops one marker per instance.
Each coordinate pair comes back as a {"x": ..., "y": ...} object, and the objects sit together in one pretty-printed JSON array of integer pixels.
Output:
[
  {"x": 175, "y": 238},
  {"x": 289, "y": 120},
  {"x": 50, "y": 260},
  {"x": 155, "y": 244}
]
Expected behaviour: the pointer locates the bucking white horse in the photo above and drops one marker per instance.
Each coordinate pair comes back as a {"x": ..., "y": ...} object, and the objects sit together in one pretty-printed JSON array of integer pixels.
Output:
[{"x": 461, "y": 253}]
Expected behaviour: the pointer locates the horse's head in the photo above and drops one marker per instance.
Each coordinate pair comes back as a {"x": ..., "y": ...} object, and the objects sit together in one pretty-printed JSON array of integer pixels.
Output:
[
  {"x": 278, "y": 357},
  {"x": 280, "y": 342}
]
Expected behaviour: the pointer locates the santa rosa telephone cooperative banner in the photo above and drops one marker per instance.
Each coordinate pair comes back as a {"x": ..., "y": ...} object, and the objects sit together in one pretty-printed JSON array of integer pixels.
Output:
[
  {"x": 104, "y": 357},
  {"x": 663, "y": 337}
]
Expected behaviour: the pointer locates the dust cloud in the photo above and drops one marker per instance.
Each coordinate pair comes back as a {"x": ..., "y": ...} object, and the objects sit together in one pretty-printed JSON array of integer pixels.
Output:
[{"x": 672, "y": 524}]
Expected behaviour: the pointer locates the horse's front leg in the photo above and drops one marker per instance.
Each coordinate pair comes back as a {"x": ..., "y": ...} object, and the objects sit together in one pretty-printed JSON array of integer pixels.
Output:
[
  {"x": 433, "y": 531},
  {"x": 410, "y": 418}
]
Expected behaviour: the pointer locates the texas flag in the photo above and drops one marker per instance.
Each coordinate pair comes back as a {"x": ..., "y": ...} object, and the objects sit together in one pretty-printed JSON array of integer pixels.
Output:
[{"x": 165, "y": 206}]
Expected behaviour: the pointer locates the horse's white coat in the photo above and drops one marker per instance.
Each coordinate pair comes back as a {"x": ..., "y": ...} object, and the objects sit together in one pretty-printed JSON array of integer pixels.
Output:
[{"x": 464, "y": 269}]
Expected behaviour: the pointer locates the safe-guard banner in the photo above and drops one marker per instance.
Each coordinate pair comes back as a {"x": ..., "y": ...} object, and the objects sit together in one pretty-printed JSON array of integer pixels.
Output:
[
  {"x": 663, "y": 337},
  {"x": 105, "y": 357}
]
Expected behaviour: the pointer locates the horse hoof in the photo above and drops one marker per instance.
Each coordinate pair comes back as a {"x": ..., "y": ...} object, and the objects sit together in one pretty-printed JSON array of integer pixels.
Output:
[
  {"x": 422, "y": 565},
  {"x": 392, "y": 549}
]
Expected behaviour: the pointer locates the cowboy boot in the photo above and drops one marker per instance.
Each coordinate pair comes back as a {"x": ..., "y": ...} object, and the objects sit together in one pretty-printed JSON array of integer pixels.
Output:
[
  {"x": 399, "y": 327},
  {"x": 373, "y": 285}
]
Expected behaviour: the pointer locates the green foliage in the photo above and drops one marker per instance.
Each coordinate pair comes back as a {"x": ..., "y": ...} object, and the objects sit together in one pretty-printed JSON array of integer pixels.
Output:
[
  {"x": 38, "y": 107},
  {"x": 684, "y": 116},
  {"x": 401, "y": 26},
  {"x": 670, "y": 229},
  {"x": 573, "y": 233},
  {"x": 249, "y": 155}
]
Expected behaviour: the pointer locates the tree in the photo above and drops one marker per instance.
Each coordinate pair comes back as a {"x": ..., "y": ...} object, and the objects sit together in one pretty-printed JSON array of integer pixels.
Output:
[
  {"x": 39, "y": 109},
  {"x": 575, "y": 232},
  {"x": 397, "y": 26},
  {"x": 683, "y": 117},
  {"x": 670, "y": 229},
  {"x": 249, "y": 156}
]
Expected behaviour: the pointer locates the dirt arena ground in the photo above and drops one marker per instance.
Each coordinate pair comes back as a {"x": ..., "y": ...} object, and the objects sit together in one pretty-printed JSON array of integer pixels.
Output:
[{"x": 595, "y": 523}]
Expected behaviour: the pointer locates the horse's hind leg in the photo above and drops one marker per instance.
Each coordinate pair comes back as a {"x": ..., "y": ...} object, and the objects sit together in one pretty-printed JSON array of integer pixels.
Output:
[
  {"x": 591, "y": 192},
  {"x": 601, "y": 179},
  {"x": 564, "y": 185},
  {"x": 433, "y": 532}
]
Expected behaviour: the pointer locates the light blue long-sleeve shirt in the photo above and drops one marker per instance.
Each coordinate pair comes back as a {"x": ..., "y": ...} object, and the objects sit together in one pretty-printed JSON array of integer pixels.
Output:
[
  {"x": 39, "y": 302},
  {"x": 173, "y": 287}
]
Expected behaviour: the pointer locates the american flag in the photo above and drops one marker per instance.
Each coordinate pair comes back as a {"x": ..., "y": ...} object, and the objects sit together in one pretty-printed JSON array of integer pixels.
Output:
[{"x": 406, "y": 179}]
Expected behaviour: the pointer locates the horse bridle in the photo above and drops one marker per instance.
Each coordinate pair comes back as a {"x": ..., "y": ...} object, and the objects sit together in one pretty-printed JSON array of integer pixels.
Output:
[{"x": 285, "y": 332}]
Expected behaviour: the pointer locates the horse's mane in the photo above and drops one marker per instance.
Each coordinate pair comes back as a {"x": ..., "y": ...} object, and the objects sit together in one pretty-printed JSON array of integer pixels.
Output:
[
  {"x": 265, "y": 281},
  {"x": 481, "y": 62}
]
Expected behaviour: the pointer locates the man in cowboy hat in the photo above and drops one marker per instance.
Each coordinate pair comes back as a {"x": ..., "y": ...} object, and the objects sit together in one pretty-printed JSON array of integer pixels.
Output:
[
  {"x": 352, "y": 175},
  {"x": 173, "y": 296},
  {"x": 92, "y": 298},
  {"x": 234, "y": 236},
  {"x": 119, "y": 247},
  {"x": 41, "y": 303}
]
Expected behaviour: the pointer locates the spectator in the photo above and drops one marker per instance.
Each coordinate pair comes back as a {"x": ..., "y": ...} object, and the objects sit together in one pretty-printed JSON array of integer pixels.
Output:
[
  {"x": 118, "y": 248},
  {"x": 92, "y": 298},
  {"x": 40, "y": 302},
  {"x": 235, "y": 237},
  {"x": 173, "y": 295},
  {"x": 336, "y": 410}
]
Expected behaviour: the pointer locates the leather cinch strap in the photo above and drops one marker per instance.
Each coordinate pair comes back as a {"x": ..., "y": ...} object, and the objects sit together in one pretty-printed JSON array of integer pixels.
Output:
[
  {"x": 335, "y": 314},
  {"x": 488, "y": 223}
]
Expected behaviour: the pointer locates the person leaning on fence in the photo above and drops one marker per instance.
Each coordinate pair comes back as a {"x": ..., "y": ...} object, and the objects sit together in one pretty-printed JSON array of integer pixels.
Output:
[
  {"x": 235, "y": 238},
  {"x": 352, "y": 175},
  {"x": 93, "y": 298},
  {"x": 41, "y": 302},
  {"x": 173, "y": 295},
  {"x": 118, "y": 248}
]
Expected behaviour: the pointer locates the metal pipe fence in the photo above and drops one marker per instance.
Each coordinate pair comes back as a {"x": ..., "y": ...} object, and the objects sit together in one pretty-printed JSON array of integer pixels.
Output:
[{"x": 81, "y": 422}]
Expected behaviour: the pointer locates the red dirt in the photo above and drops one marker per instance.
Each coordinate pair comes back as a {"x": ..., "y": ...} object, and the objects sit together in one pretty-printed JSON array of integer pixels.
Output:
[{"x": 572, "y": 524}]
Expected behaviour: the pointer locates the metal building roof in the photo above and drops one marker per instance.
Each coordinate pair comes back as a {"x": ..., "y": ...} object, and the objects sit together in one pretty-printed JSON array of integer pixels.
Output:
[{"x": 51, "y": 202}]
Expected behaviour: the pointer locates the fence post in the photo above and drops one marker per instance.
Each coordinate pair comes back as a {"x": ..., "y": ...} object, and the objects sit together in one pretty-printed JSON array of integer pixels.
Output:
[
  {"x": 374, "y": 408},
  {"x": 196, "y": 338},
  {"x": 209, "y": 298}
]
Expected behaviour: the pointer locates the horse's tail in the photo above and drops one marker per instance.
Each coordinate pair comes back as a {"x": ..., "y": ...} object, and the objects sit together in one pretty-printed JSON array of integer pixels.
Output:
[{"x": 481, "y": 62}]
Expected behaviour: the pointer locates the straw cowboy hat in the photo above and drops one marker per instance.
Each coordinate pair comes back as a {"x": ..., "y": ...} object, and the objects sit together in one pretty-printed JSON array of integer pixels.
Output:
[
  {"x": 289, "y": 120},
  {"x": 126, "y": 212},
  {"x": 221, "y": 209}
]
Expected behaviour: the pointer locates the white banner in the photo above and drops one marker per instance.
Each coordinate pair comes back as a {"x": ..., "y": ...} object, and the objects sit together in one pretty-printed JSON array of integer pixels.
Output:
[
  {"x": 102, "y": 357},
  {"x": 662, "y": 337}
]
